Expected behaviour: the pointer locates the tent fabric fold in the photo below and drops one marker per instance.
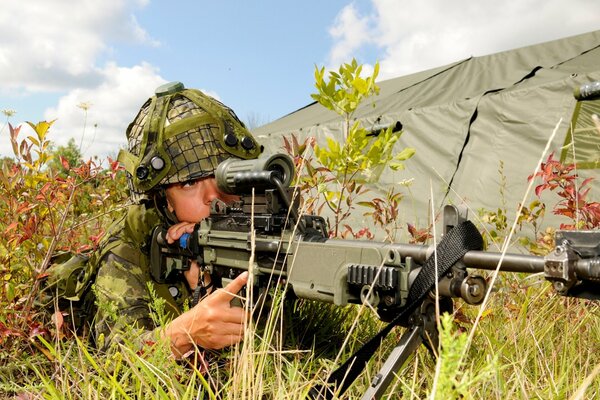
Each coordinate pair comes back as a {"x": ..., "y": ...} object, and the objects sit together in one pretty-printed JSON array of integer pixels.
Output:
[{"x": 479, "y": 125}]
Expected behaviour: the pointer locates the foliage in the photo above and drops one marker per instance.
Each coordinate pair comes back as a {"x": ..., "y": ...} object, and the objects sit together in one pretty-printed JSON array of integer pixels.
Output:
[
  {"x": 45, "y": 211},
  {"x": 359, "y": 157},
  {"x": 66, "y": 157},
  {"x": 530, "y": 216},
  {"x": 573, "y": 204},
  {"x": 529, "y": 343},
  {"x": 455, "y": 380}
]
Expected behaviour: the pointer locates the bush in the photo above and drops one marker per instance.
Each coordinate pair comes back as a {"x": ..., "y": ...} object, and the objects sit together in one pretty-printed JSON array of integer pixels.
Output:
[{"x": 47, "y": 207}]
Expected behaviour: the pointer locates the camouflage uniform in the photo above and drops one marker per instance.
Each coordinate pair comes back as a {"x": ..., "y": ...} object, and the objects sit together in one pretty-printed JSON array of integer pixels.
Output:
[
  {"x": 178, "y": 135},
  {"x": 122, "y": 284}
]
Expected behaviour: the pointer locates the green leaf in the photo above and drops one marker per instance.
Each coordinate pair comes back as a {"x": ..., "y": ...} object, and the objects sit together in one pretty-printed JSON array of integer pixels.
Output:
[
  {"x": 10, "y": 291},
  {"x": 375, "y": 70},
  {"x": 405, "y": 154},
  {"x": 396, "y": 166},
  {"x": 34, "y": 140},
  {"x": 41, "y": 128},
  {"x": 360, "y": 85}
]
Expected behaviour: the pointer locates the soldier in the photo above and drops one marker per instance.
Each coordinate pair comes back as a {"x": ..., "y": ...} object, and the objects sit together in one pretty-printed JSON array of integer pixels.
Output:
[{"x": 174, "y": 146}]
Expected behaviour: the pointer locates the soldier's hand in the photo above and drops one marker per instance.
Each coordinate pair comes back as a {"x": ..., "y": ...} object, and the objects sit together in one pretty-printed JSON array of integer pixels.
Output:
[
  {"x": 176, "y": 231},
  {"x": 213, "y": 323}
]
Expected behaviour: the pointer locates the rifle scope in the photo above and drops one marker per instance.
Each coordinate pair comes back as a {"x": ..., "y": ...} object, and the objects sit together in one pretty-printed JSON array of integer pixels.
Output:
[{"x": 237, "y": 176}]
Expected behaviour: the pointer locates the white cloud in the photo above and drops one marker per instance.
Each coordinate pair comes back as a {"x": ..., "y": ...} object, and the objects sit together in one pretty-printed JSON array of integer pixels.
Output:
[
  {"x": 211, "y": 93},
  {"x": 414, "y": 36},
  {"x": 56, "y": 47},
  {"x": 141, "y": 34},
  {"x": 350, "y": 31},
  {"x": 55, "y": 44},
  {"x": 113, "y": 104}
]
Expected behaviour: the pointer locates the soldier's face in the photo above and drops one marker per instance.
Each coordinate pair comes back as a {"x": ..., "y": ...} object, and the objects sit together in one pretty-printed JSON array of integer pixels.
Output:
[{"x": 190, "y": 201}]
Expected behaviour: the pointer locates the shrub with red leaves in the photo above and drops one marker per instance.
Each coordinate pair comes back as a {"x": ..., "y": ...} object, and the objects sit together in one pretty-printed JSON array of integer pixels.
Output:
[{"x": 564, "y": 181}]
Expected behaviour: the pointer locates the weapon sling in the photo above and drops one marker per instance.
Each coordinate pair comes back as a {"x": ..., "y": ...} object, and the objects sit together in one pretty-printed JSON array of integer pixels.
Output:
[{"x": 459, "y": 240}]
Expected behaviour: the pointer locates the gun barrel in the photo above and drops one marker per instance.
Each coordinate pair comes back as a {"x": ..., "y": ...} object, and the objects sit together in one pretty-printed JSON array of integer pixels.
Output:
[
  {"x": 583, "y": 268},
  {"x": 480, "y": 259},
  {"x": 510, "y": 262}
]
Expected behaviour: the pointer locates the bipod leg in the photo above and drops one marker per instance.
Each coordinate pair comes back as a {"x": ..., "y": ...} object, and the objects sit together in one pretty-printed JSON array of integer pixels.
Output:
[
  {"x": 410, "y": 340},
  {"x": 422, "y": 329}
]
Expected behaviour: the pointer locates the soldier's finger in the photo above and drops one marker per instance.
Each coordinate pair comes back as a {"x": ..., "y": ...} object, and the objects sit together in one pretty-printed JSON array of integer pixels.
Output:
[
  {"x": 231, "y": 328},
  {"x": 236, "y": 315},
  {"x": 229, "y": 340},
  {"x": 230, "y": 291},
  {"x": 175, "y": 231}
]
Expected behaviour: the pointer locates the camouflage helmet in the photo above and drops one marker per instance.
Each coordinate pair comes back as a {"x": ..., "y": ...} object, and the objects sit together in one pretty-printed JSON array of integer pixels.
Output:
[{"x": 179, "y": 135}]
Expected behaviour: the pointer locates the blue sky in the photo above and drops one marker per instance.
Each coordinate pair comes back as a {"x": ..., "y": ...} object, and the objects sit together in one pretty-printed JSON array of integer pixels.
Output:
[{"x": 256, "y": 56}]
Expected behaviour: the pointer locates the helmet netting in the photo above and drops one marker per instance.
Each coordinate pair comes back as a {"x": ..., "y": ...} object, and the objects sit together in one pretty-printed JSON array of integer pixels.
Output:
[{"x": 195, "y": 153}]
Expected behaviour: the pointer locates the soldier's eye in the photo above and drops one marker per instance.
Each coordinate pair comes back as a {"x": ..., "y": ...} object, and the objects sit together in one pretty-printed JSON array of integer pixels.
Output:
[{"x": 188, "y": 184}]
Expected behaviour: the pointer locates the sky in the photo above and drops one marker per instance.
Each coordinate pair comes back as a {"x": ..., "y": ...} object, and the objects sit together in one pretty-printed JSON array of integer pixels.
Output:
[{"x": 91, "y": 64}]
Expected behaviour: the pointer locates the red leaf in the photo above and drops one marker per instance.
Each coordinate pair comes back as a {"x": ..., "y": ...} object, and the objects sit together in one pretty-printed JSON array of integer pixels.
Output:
[
  {"x": 6, "y": 332},
  {"x": 42, "y": 275},
  {"x": 585, "y": 182},
  {"x": 547, "y": 169},
  {"x": 286, "y": 145},
  {"x": 23, "y": 149},
  {"x": 95, "y": 239},
  {"x": 539, "y": 189},
  {"x": 58, "y": 320},
  {"x": 116, "y": 166},
  {"x": 583, "y": 194},
  {"x": 14, "y": 133},
  {"x": 567, "y": 227},
  {"x": 296, "y": 145},
  {"x": 565, "y": 211},
  {"x": 83, "y": 248},
  {"x": 65, "y": 163},
  {"x": 412, "y": 230},
  {"x": 529, "y": 178},
  {"x": 37, "y": 330},
  {"x": 11, "y": 227}
]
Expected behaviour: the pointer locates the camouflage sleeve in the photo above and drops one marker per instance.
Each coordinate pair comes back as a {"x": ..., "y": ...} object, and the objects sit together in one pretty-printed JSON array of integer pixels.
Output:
[{"x": 123, "y": 301}]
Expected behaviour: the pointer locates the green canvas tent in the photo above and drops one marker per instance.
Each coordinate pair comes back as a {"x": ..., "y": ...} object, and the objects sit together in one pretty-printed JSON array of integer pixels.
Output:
[{"x": 466, "y": 118}]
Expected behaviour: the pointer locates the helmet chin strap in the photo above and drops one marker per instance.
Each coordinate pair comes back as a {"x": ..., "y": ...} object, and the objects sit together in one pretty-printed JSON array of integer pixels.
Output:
[{"x": 162, "y": 205}]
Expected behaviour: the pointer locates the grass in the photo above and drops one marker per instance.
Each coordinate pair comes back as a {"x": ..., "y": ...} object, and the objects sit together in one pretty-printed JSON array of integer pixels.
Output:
[{"x": 531, "y": 344}]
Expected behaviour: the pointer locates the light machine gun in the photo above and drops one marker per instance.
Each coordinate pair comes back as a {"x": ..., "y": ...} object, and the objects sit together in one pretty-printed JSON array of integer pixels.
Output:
[{"x": 264, "y": 233}]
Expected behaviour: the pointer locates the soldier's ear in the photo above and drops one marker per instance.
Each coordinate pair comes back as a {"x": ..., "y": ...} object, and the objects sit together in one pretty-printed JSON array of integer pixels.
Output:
[{"x": 167, "y": 200}]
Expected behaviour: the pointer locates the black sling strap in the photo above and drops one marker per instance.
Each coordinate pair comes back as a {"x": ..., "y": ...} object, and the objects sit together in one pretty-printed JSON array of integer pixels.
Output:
[{"x": 459, "y": 240}]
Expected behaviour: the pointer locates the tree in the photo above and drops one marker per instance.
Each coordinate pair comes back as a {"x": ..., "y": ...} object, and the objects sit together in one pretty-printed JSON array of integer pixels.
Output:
[{"x": 69, "y": 153}]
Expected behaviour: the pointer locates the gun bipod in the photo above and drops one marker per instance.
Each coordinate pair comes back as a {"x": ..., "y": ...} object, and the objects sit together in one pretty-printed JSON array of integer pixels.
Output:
[{"x": 422, "y": 329}]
